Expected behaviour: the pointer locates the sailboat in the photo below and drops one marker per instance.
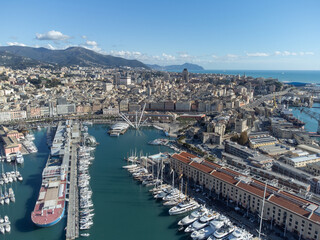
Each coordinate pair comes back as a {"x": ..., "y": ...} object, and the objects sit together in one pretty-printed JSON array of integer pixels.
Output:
[
  {"x": 1, "y": 196},
  {"x": 6, "y": 196},
  {"x": 185, "y": 205}
]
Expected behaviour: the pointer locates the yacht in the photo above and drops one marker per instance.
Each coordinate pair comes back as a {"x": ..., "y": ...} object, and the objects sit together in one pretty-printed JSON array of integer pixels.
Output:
[
  {"x": 240, "y": 234},
  {"x": 173, "y": 202},
  {"x": 222, "y": 232},
  {"x": 202, "y": 221},
  {"x": 163, "y": 193},
  {"x": 159, "y": 188},
  {"x": 85, "y": 234},
  {"x": 130, "y": 166},
  {"x": 8, "y": 228},
  {"x": 184, "y": 206},
  {"x": 19, "y": 158},
  {"x": 205, "y": 232},
  {"x": 195, "y": 215},
  {"x": 173, "y": 195}
]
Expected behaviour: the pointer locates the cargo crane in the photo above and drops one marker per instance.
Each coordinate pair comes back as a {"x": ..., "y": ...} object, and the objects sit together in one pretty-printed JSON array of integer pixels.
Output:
[{"x": 313, "y": 115}]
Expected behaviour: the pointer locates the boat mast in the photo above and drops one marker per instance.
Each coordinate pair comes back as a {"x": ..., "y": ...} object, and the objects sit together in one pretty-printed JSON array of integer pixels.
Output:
[
  {"x": 173, "y": 179},
  {"x": 261, "y": 214}
]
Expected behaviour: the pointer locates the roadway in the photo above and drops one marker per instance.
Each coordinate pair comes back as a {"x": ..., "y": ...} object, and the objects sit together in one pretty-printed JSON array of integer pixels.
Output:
[{"x": 268, "y": 97}]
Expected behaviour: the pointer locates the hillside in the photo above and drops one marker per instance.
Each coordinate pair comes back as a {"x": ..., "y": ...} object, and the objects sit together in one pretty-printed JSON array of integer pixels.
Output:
[
  {"x": 178, "y": 68},
  {"x": 72, "y": 56},
  {"x": 8, "y": 59}
]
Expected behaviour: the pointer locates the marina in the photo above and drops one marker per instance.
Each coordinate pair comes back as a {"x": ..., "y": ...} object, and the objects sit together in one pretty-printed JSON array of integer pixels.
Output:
[
  {"x": 202, "y": 223},
  {"x": 109, "y": 189}
]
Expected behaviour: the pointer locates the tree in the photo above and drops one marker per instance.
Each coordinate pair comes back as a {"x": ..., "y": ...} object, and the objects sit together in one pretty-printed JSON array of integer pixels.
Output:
[
  {"x": 243, "y": 138},
  {"x": 235, "y": 138}
]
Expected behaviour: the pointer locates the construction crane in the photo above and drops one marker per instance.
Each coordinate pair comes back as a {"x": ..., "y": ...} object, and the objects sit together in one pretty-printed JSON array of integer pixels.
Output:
[{"x": 313, "y": 115}]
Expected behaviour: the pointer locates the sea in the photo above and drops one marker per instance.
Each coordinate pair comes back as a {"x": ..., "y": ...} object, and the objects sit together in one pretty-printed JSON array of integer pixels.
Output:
[
  {"x": 124, "y": 209},
  {"x": 295, "y": 76}
]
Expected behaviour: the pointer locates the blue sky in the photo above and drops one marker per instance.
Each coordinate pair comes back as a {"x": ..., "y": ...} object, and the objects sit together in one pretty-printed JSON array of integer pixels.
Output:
[{"x": 228, "y": 34}]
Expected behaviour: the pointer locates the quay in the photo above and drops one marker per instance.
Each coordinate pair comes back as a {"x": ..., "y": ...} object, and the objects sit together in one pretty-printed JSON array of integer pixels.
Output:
[{"x": 72, "y": 229}]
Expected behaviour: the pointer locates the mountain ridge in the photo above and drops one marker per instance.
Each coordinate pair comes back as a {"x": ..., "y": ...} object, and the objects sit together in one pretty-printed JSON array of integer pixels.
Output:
[
  {"x": 72, "y": 56},
  {"x": 189, "y": 66}
]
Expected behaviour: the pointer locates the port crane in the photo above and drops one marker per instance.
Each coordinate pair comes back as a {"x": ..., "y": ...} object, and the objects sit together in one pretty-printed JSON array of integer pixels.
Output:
[{"x": 313, "y": 115}]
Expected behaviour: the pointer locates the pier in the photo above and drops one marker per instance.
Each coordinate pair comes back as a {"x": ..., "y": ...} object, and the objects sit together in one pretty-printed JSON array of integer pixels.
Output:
[{"x": 72, "y": 229}]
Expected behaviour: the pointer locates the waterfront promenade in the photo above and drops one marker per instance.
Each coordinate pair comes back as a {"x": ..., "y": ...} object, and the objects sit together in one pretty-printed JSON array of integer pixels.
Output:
[{"x": 72, "y": 229}]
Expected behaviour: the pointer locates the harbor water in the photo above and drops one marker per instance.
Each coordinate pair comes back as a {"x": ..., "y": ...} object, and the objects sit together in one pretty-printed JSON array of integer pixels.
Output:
[
  {"x": 311, "y": 124},
  {"x": 26, "y": 193},
  {"x": 123, "y": 208}
]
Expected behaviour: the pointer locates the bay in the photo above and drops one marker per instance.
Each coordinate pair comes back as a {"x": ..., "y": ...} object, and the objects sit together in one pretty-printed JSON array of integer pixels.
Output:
[
  {"x": 303, "y": 76},
  {"x": 124, "y": 209}
]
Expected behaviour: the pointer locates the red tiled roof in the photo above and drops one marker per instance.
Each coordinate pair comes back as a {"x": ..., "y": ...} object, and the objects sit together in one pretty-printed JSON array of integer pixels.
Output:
[
  {"x": 262, "y": 184},
  {"x": 289, "y": 205},
  {"x": 252, "y": 189},
  {"x": 315, "y": 218},
  {"x": 201, "y": 167},
  {"x": 214, "y": 165},
  {"x": 295, "y": 197},
  {"x": 224, "y": 177},
  {"x": 180, "y": 158},
  {"x": 187, "y": 155}
]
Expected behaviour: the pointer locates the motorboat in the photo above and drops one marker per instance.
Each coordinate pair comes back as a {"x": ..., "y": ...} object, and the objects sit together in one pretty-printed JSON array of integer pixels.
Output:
[
  {"x": 195, "y": 215},
  {"x": 172, "y": 202},
  {"x": 240, "y": 234},
  {"x": 2, "y": 230},
  {"x": 222, "y": 232},
  {"x": 164, "y": 192},
  {"x": 183, "y": 207},
  {"x": 202, "y": 221},
  {"x": 205, "y": 232},
  {"x": 8, "y": 228},
  {"x": 85, "y": 234},
  {"x": 173, "y": 195},
  {"x": 19, "y": 158},
  {"x": 130, "y": 166},
  {"x": 159, "y": 188}
]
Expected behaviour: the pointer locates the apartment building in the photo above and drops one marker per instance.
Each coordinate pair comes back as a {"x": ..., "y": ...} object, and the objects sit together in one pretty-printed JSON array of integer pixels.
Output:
[{"x": 282, "y": 208}]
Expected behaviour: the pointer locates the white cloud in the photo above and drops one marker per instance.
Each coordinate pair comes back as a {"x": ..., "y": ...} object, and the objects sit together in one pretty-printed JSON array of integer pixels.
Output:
[
  {"x": 231, "y": 56},
  {"x": 16, "y": 44},
  {"x": 184, "y": 55},
  {"x": 258, "y": 54},
  {"x": 51, "y": 36},
  {"x": 287, "y": 53},
  {"x": 168, "y": 57},
  {"x": 91, "y": 43}
]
